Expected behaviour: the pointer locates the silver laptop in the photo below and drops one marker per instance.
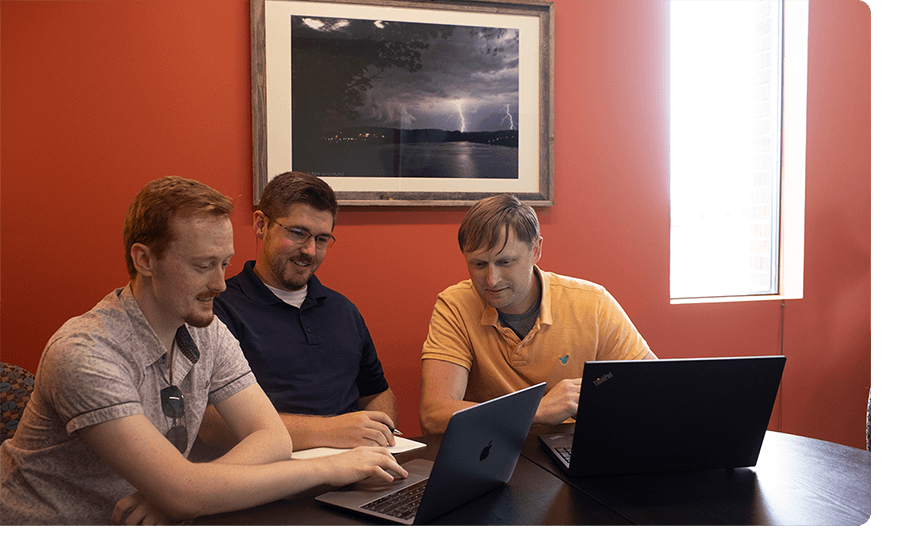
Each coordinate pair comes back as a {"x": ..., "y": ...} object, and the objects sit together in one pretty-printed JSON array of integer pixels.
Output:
[
  {"x": 478, "y": 454},
  {"x": 669, "y": 415}
]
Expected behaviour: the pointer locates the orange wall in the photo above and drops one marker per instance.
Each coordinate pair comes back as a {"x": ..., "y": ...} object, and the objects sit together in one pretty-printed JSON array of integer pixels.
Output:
[{"x": 99, "y": 98}]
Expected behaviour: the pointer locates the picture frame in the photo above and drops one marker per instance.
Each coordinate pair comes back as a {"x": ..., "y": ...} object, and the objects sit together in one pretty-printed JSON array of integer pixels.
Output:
[{"x": 405, "y": 102}]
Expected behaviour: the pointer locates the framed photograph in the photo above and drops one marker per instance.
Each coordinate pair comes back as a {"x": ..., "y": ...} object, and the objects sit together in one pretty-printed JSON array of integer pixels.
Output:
[{"x": 405, "y": 102}]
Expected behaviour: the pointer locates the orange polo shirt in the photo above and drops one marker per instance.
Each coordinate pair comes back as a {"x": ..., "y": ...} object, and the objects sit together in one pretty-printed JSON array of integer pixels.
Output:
[{"x": 579, "y": 321}]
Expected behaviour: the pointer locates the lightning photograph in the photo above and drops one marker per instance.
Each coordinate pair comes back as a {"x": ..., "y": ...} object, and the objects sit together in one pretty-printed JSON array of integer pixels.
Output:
[{"x": 376, "y": 98}]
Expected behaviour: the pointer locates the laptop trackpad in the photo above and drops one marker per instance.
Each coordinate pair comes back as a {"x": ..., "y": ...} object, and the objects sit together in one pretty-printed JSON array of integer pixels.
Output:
[{"x": 418, "y": 469}]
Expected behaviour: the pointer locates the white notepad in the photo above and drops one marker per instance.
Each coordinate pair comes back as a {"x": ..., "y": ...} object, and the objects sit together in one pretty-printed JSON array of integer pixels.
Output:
[{"x": 401, "y": 445}]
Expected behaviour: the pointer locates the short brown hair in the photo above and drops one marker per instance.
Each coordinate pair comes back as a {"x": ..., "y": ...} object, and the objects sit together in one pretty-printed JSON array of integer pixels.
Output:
[
  {"x": 485, "y": 223},
  {"x": 289, "y": 188},
  {"x": 149, "y": 217}
]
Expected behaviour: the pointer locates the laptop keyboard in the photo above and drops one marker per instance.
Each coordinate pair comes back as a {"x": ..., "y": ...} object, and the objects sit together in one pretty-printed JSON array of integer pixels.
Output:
[
  {"x": 565, "y": 452},
  {"x": 402, "y": 504}
]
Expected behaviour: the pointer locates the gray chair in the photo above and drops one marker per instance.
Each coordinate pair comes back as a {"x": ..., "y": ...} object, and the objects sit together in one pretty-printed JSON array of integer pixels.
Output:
[{"x": 16, "y": 385}]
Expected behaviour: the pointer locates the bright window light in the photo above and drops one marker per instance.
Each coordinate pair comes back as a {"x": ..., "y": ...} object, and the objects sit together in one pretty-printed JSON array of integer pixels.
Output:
[{"x": 726, "y": 67}]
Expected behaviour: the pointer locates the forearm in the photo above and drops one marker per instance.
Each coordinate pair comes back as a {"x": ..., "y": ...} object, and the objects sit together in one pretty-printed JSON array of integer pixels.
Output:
[
  {"x": 263, "y": 446},
  {"x": 348, "y": 430},
  {"x": 443, "y": 390},
  {"x": 200, "y": 489},
  {"x": 260, "y": 447},
  {"x": 384, "y": 402},
  {"x": 181, "y": 489},
  {"x": 255, "y": 471},
  {"x": 215, "y": 432},
  {"x": 308, "y": 431},
  {"x": 211, "y": 488},
  {"x": 434, "y": 416}
]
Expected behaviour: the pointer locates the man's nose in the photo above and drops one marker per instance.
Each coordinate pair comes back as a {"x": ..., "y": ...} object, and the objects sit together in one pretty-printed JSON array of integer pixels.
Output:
[
  {"x": 217, "y": 285},
  {"x": 309, "y": 248},
  {"x": 493, "y": 275}
]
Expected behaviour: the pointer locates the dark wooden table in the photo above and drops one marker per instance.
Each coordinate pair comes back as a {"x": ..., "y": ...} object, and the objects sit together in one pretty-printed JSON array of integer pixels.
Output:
[
  {"x": 797, "y": 481},
  {"x": 532, "y": 497}
]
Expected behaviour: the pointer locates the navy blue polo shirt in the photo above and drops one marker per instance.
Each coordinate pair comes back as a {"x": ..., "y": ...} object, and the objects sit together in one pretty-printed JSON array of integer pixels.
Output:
[{"x": 315, "y": 360}]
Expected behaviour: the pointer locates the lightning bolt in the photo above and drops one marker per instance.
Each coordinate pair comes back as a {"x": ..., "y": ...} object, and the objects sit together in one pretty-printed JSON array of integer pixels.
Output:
[
  {"x": 462, "y": 118},
  {"x": 512, "y": 124}
]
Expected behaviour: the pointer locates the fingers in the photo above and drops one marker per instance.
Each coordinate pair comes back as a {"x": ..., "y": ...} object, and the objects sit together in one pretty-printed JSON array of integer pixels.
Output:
[
  {"x": 135, "y": 510},
  {"x": 380, "y": 435},
  {"x": 560, "y": 403},
  {"x": 124, "y": 508},
  {"x": 389, "y": 470},
  {"x": 379, "y": 463},
  {"x": 137, "y": 516},
  {"x": 377, "y": 428},
  {"x": 574, "y": 395}
]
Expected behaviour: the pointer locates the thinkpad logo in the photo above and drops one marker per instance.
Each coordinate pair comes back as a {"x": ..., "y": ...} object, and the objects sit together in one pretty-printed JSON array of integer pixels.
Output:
[{"x": 602, "y": 379}]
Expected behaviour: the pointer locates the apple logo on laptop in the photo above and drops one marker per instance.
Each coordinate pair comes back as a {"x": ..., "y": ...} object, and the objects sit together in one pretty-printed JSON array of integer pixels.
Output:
[{"x": 485, "y": 452}]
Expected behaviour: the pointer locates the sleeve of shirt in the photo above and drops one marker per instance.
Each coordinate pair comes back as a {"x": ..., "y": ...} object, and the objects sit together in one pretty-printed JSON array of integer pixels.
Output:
[
  {"x": 86, "y": 385},
  {"x": 448, "y": 339},
  {"x": 231, "y": 373},
  {"x": 371, "y": 379},
  {"x": 621, "y": 339}
]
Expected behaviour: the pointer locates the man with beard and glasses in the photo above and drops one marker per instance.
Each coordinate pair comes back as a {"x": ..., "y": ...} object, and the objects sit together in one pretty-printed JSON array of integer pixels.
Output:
[
  {"x": 308, "y": 345},
  {"x": 121, "y": 391}
]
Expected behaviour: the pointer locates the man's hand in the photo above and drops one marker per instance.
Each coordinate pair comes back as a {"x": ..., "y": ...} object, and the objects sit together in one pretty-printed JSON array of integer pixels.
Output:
[
  {"x": 360, "y": 428},
  {"x": 560, "y": 403},
  {"x": 363, "y": 463}
]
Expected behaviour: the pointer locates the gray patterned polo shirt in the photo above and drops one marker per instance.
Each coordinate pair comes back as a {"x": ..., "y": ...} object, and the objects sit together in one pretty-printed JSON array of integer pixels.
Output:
[{"x": 105, "y": 365}]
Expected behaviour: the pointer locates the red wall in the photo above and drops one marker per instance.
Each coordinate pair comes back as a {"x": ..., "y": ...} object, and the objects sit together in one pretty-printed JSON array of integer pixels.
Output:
[{"x": 99, "y": 98}]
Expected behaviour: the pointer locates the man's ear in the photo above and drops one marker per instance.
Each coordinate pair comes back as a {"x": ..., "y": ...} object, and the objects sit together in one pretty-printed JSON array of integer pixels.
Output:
[
  {"x": 537, "y": 249},
  {"x": 259, "y": 224},
  {"x": 140, "y": 256}
]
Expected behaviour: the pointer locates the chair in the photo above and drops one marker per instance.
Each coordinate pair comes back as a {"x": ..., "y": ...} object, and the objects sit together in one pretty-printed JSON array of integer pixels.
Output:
[
  {"x": 16, "y": 385},
  {"x": 869, "y": 423}
]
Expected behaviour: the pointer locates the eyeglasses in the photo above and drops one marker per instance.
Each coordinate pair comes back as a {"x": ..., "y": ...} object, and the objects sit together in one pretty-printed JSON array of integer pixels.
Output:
[
  {"x": 301, "y": 236},
  {"x": 173, "y": 406}
]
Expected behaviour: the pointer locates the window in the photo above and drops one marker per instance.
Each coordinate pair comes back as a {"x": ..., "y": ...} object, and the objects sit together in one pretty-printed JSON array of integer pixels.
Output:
[{"x": 737, "y": 140}]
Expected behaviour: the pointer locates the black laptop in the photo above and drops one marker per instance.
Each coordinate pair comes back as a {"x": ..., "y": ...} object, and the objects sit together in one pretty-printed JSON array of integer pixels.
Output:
[
  {"x": 478, "y": 454},
  {"x": 666, "y": 415}
]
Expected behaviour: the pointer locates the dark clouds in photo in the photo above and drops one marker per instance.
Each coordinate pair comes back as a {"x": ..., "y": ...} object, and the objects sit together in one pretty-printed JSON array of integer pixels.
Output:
[{"x": 468, "y": 79}]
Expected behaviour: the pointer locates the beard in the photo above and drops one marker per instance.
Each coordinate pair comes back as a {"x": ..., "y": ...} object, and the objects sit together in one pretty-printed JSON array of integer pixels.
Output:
[
  {"x": 292, "y": 276},
  {"x": 202, "y": 319}
]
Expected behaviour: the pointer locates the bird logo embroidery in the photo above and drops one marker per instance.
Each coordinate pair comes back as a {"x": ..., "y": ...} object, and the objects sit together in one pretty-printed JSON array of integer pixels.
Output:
[{"x": 564, "y": 359}]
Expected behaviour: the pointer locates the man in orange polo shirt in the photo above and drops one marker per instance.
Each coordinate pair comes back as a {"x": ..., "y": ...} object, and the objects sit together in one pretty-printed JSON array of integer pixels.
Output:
[{"x": 512, "y": 324}]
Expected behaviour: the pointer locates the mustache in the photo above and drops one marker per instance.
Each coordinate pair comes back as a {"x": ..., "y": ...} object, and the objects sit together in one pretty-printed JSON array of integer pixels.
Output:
[{"x": 305, "y": 259}]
